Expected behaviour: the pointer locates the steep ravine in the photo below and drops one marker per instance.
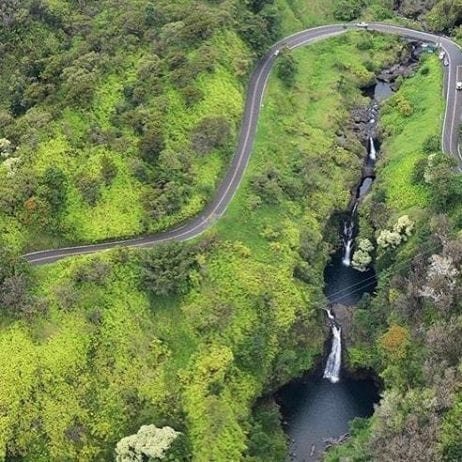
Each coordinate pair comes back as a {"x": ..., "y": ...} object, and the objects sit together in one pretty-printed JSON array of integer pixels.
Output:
[{"x": 317, "y": 408}]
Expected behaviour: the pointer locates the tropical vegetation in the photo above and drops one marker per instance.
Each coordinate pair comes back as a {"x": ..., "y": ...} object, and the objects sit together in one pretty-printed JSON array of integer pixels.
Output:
[{"x": 119, "y": 118}]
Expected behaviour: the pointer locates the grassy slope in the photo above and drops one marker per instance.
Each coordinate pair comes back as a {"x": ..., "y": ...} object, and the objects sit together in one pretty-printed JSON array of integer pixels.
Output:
[
  {"x": 308, "y": 120},
  {"x": 407, "y": 135},
  {"x": 120, "y": 211},
  {"x": 157, "y": 360}
]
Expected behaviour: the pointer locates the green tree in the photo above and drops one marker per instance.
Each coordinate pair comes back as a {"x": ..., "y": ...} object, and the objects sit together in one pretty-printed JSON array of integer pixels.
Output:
[
  {"x": 151, "y": 144},
  {"x": 166, "y": 268},
  {"x": 210, "y": 133},
  {"x": 53, "y": 188},
  {"x": 347, "y": 10},
  {"x": 108, "y": 170},
  {"x": 287, "y": 68}
]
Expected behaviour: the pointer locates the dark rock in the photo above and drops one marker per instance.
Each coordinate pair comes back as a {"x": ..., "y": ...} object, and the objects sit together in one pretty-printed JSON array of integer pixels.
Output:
[
  {"x": 414, "y": 9},
  {"x": 368, "y": 172}
]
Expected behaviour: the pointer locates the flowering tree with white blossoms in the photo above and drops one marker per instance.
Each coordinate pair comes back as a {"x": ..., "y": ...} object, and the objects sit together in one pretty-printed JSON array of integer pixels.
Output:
[
  {"x": 401, "y": 231},
  {"x": 150, "y": 443},
  {"x": 362, "y": 258},
  {"x": 440, "y": 281}
]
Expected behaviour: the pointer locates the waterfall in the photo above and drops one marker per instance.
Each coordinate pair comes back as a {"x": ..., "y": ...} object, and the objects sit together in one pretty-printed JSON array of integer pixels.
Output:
[
  {"x": 346, "y": 260},
  {"x": 330, "y": 315},
  {"x": 334, "y": 361},
  {"x": 372, "y": 151},
  {"x": 348, "y": 230},
  {"x": 355, "y": 207}
]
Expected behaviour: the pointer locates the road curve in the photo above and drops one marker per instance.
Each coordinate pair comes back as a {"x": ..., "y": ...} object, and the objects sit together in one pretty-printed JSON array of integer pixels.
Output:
[{"x": 255, "y": 93}]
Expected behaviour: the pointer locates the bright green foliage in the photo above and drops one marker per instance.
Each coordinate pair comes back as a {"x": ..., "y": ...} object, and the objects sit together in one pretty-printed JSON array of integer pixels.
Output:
[
  {"x": 452, "y": 429},
  {"x": 445, "y": 15},
  {"x": 190, "y": 335},
  {"x": 110, "y": 117},
  {"x": 286, "y": 68},
  {"x": 347, "y": 10},
  {"x": 406, "y": 135}
]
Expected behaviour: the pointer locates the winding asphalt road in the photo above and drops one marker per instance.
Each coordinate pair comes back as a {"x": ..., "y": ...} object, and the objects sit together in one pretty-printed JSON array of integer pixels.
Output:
[{"x": 229, "y": 185}]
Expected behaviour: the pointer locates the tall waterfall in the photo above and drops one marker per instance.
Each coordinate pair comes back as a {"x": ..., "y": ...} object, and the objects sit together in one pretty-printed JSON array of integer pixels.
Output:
[
  {"x": 334, "y": 361},
  {"x": 372, "y": 150},
  {"x": 346, "y": 260},
  {"x": 348, "y": 230}
]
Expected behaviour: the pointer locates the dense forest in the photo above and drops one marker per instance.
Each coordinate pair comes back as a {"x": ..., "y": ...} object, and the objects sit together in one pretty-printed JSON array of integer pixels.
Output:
[
  {"x": 119, "y": 118},
  {"x": 126, "y": 111}
]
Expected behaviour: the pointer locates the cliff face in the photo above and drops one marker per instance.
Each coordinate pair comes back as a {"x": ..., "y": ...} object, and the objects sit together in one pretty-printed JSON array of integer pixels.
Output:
[{"x": 414, "y": 9}]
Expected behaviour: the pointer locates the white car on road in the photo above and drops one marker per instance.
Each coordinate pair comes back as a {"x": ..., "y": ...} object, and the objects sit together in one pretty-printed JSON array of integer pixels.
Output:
[{"x": 362, "y": 24}]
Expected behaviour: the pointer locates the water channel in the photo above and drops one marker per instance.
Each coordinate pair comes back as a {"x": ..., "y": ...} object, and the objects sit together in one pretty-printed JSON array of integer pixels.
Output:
[{"x": 317, "y": 409}]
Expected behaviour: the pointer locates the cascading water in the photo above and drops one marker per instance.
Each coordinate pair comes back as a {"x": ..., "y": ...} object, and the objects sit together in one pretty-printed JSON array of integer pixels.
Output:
[
  {"x": 319, "y": 406},
  {"x": 349, "y": 224},
  {"x": 348, "y": 237},
  {"x": 334, "y": 361},
  {"x": 330, "y": 315},
  {"x": 347, "y": 252},
  {"x": 372, "y": 150}
]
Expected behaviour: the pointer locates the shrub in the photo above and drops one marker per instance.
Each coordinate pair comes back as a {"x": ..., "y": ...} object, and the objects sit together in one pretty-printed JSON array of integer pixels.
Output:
[
  {"x": 166, "y": 269},
  {"x": 425, "y": 70},
  {"x": 210, "y": 133},
  {"x": 395, "y": 341},
  {"x": 432, "y": 144},
  {"x": 287, "y": 69},
  {"x": 152, "y": 144},
  {"x": 108, "y": 170},
  {"x": 347, "y": 10},
  {"x": 89, "y": 188},
  {"x": 53, "y": 188}
]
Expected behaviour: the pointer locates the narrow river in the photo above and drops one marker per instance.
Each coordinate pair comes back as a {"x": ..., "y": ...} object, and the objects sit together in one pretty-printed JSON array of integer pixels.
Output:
[{"x": 316, "y": 410}]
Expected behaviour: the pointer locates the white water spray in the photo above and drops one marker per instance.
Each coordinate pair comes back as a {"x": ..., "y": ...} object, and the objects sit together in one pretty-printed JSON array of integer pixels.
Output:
[
  {"x": 346, "y": 260},
  {"x": 330, "y": 315},
  {"x": 348, "y": 231},
  {"x": 355, "y": 207},
  {"x": 372, "y": 150},
  {"x": 334, "y": 361}
]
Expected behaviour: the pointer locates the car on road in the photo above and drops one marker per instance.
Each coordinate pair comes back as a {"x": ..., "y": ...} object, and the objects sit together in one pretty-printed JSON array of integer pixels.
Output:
[
  {"x": 442, "y": 55},
  {"x": 362, "y": 24},
  {"x": 459, "y": 86}
]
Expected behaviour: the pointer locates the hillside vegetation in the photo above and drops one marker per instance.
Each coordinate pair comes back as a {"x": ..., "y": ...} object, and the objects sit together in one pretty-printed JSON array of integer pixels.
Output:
[
  {"x": 124, "y": 117},
  {"x": 409, "y": 333},
  {"x": 119, "y": 118},
  {"x": 190, "y": 335}
]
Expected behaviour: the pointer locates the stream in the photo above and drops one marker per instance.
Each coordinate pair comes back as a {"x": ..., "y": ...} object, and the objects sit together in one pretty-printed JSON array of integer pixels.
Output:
[{"x": 316, "y": 409}]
